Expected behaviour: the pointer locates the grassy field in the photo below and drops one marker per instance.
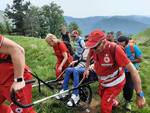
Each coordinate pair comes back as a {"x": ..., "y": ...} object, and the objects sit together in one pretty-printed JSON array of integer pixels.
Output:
[{"x": 42, "y": 61}]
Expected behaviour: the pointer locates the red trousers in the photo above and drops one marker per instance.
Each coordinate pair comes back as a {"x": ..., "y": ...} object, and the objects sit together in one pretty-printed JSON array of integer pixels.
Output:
[
  {"x": 58, "y": 73},
  {"x": 107, "y": 96},
  {"x": 24, "y": 96}
]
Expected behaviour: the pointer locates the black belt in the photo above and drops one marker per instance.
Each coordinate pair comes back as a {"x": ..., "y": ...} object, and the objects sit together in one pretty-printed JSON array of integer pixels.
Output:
[{"x": 7, "y": 60}]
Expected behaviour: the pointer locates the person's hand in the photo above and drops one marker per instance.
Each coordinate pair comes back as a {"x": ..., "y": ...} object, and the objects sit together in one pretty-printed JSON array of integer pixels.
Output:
[
  {"x": 73, "y": 63},
  {"x": 140, "y": 101},
  {"x": 60, "y": 68},
  {"x": 17, "y": 85},
  {"x": 91, "y": 67},
  {"x": 86, "y": 73}
]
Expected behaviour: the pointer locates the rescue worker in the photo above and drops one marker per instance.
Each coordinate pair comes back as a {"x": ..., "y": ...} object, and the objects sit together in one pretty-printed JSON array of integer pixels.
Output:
[
  {"x": 109, "y": 63},
  {"x": 60, "y": 50},
  {"x": 13, "y": 73}
]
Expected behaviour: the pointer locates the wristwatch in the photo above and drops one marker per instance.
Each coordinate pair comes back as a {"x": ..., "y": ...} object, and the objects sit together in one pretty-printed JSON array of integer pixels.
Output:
[
  {"x": 18, "y": 79},
  {"x": 140, "y": 94}
]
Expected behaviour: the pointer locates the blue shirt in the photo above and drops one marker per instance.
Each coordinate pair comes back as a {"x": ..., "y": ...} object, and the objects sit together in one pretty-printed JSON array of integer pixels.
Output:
[{"x": 137, "y": 53}]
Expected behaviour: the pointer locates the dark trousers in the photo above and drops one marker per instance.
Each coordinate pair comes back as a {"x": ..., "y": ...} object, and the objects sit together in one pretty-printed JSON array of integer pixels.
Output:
[{"x": 128, "y": 87}]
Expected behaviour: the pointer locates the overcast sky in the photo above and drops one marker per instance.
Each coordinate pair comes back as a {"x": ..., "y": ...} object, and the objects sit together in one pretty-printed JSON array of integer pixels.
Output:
[{"x": 86, "y": 8}]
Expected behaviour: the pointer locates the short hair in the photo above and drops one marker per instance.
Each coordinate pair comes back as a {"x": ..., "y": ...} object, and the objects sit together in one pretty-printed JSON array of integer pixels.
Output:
[
  {"x": 50, "y": 36},
  {"x": 123, "y": 39}
]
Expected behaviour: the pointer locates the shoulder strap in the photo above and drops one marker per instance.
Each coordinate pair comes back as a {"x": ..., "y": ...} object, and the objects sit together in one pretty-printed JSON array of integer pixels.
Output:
[
  {"x": 80, "y": 43},
  {"x": 69, "y": 47},
  {"x": 113, "y": 51},
  {"x": 6, "y": 60},
  {"x": 132, "y": 49}
]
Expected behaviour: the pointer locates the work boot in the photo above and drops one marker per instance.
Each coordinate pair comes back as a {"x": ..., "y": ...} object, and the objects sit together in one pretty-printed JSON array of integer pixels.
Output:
[
  {"x": 73, "y": 100},
  {"x": 128, "y": 106}
]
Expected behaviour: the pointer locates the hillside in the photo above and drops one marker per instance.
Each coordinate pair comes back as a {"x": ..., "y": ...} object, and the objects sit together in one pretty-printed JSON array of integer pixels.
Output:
[
  {"x": 116, "y": 24},
  {"x": 143, "y": 38},
  {"x": 41, "y": 60}
]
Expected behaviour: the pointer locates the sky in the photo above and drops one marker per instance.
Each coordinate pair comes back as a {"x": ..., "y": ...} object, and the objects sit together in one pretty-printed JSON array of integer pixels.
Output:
[{"x": 87, "y": 8}]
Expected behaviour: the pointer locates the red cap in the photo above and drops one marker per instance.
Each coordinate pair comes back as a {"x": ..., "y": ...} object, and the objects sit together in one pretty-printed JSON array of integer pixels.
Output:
[
  {"x": 74, "y": 33},
  {"x": 94, "y": 38}
]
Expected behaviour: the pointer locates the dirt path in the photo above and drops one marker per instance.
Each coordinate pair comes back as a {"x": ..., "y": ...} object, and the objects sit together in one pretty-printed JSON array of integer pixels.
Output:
[{"x": 93, "y": 108}]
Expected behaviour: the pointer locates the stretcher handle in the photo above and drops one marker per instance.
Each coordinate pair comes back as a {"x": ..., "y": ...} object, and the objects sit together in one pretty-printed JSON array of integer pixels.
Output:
[
  {"x": 14, "y": 97},
  {"x": 43, "y": 82}
]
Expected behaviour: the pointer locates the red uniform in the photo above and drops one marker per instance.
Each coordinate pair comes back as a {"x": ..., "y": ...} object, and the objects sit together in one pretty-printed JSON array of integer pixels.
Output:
[
  {"x": 59, "y": 49},
  {"x": 109, "y": 66},
  {"x": 6, "y": 80}
]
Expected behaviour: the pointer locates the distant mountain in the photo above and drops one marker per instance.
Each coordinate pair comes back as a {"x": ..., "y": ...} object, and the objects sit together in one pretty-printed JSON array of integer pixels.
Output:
[
  {"x": 86, "y": 24},
  {"x": 116, "y": 24},
  {"x": 142, "y": 19},
  {"x": 127, "y": 24}
]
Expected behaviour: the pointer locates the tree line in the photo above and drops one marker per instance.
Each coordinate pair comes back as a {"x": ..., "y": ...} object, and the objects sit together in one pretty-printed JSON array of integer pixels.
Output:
[{"x": 29, "y": 20}]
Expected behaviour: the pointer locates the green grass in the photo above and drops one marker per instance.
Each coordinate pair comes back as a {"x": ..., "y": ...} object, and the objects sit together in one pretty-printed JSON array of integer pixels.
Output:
[
  {"x": 39, "y": 56},
  {"x": 143, "y": 37}
]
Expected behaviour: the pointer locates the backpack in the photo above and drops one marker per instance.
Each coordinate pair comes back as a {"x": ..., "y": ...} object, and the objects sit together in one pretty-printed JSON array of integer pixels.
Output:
[
  {"x": 69, "y": 47},
  {"x": 113, "y": 52}
]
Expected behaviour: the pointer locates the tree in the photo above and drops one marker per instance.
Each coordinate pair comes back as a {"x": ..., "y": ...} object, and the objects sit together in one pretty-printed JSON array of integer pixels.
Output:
[
  {"x": 32, "y": 22},
  {"x": 2, "y": 28},
  {"x": 8, "y": 26},
  {"x": 74, "y": 26},
  {"x": 5, "y": 26},
  {"x": 17, "y": 13},
  {"x": 53, "y": 17}
]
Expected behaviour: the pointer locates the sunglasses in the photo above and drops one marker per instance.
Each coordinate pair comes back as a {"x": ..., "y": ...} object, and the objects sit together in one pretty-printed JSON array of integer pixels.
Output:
[
  {"x": 97, "y": 46},
  {"x": 73, "y": 36}
]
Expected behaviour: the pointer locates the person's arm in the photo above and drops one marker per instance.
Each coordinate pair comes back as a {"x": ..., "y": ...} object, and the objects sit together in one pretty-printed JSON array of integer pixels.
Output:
[
  {"x": 63, "y": 61},
  {"x": 74, "y": 62},
  {"x": 88, "y": 61},
  {"x": 18, "y": 58},
  {"x": 138, "y": 55},
  {"x": 137, "y": 84},
  {"x": 86, "y": 72},
  {"x": 69, "y": 36},
  {"x": 137, "y": 60},
  {"x": 123, "y": 61},
  {"x": 135, "y": 77}
]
